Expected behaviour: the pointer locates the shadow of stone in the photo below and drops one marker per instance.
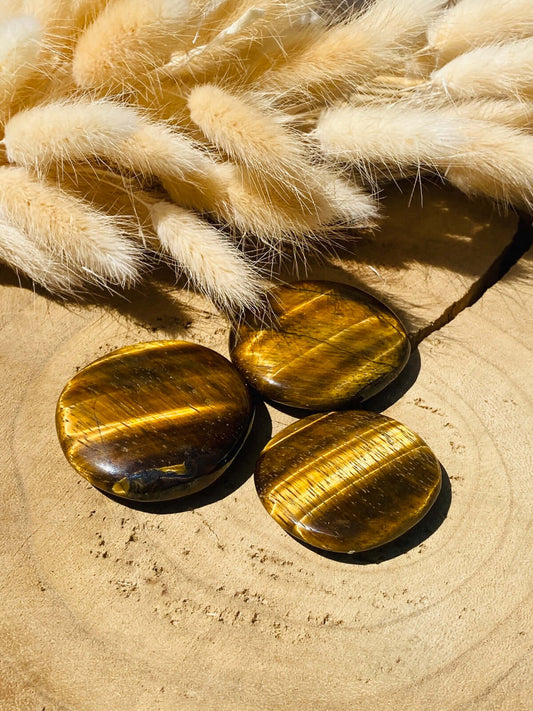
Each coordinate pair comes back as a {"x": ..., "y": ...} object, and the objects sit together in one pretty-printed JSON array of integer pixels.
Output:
[
  {"x": 404, "y": 543},
  {"x": 232, "y": 479},
  {"x": 398, "y": 388}
]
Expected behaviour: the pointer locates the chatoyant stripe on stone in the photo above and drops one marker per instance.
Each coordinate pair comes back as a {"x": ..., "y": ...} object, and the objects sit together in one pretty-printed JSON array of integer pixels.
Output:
[
  {"x": 328, "y": 346},
  {"x": 347, "y": 481},
  {"x": 154, "y": 421}
]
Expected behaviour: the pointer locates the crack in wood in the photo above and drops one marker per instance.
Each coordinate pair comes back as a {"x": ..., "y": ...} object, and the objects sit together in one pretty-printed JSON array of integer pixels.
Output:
[{"x": 511, "y": 255}]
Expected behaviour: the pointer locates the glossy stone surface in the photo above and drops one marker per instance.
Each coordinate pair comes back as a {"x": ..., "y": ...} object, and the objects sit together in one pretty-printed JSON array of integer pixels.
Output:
[
  {"x": 347, "y": 481},
  {"x": 329, "y": 346},
  {"x": 154, "y": 421}
]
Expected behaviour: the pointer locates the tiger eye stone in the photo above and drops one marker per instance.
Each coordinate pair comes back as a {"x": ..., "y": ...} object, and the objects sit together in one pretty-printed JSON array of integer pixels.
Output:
[
  {"x": 347, "y": 481},
  {"x": 328, "y": 346},
  {"x": 154, "y": 421}
]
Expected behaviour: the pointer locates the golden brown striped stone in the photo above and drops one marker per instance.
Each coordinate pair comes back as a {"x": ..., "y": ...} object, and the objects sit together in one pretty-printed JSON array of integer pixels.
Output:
[
  {"x": 154, "y": 421},
  {"x": 328, "y": 346},
  {"x": 347, "y": 481}
]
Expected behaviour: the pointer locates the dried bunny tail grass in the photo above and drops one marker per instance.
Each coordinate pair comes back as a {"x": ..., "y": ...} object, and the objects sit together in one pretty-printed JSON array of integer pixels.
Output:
[
  {"x": 129, "y": 38},
  {"x": 237, "y": 18},
  {"x": 388, "y": 139},
  {"x": 65, "y": 132},
  {"x": 251, "y": 136},
  {"x": 68, "y": 131},
  {"x": 24, "y": 256},
  {"x": 187, "y": 172},
  {"x": 84, "y": 12},
  {"x": 20, "y": 46},
  {"x": 516, "y": 114},
  {"x": 504, "y": 70},
  {"x": 402, "y": 25},
  {"x": 244, "y": 131},
  {"x": 275, "y": 218},
  {"x": 263, "y": 215},
  {"x": 332, "y": 201},
  {"x": 86, "y": 241},
  {"x": 21, "y": 38},
  {"x": 213, "y": 264},
  {"x": 9, "y": 9},
  {"x": 62, "y": 19},
  {"x": 329, "y": 61},
  {"x": 477, "y": 156},
  {"x": 209, "y": 190},
  {"x": 352, "y": 207},
  {"x": 234, "y": 34},
  {"x": 273, "y": 160},
  {"x": 157, "y": 150},
  {"x": 474, "y": 23},
  {"x": 497, "y": 162},
  {"x": 223, "y": 195},
  {"x": 165, "y": 101},
  {"x": 277, "y": 221},
  {"x": 205, "y": 194}
]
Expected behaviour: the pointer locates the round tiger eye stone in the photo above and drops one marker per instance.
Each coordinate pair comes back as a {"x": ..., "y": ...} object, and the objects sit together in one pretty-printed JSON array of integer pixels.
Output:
[
  {"x": 347, "y": 481},
  {"x": 328, "y": 346},
  {"x": 154, "y": 421}
]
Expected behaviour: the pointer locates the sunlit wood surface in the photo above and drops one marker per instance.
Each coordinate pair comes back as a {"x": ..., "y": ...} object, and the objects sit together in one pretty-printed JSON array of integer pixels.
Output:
[{"x": 207, "y": 603}]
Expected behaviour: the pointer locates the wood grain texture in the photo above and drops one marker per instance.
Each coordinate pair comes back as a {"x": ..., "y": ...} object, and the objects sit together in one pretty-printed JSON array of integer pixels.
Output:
[
  {"x": 209, "y": 604},
  {"x": 432, "y": 249}
]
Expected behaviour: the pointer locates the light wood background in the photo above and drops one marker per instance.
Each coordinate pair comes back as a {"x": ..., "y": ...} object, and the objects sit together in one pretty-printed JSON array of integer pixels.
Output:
[{"x": 207, "y": 604}]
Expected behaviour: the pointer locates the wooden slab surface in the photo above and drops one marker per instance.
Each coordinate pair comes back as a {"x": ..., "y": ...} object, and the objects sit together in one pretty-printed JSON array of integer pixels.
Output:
[{"x": 206, "y": 603}]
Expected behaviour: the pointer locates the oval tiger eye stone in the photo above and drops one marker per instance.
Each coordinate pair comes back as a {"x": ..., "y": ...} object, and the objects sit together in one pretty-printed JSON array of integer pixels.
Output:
[
  {"x": 154, "y": 421},
  {"x": 347, "y": 481},
  {"x": 328, "y": 346}
]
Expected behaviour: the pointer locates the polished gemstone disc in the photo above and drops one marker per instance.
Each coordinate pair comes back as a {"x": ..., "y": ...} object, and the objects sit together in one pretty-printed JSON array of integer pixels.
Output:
[
  {"x": 328, "y": 346},
  {"x": 154, "y": 421},
  {"x": 347, "y": 481}
]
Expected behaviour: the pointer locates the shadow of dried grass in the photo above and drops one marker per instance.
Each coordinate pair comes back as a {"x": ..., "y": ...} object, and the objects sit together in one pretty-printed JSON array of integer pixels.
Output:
[{"x": 437, "y": 228}]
